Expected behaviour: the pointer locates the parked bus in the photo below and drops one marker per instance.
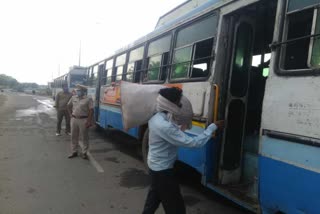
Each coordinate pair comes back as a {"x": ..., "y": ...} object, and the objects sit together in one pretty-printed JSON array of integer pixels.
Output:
[
  {"x": 76, "y": 75},
  {"x": 254, "y": 64},
  {"x": 94, "y": 83}
]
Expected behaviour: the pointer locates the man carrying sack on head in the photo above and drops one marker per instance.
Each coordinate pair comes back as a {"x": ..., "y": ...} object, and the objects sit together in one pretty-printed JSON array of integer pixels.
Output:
[
  {"x": 80, "y": 108},
  {"x": 174, "y": 115}
]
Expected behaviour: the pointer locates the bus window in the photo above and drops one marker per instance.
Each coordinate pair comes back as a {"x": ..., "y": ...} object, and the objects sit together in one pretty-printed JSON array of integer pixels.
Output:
[
  {"x": 193, "y": 52},
  {"x": 138, "y": 70},
  {"x": 158, "y": 59},
  {"x": 202, "y": 58},
  {"x": 158, "y": 66},
  {"x": 101, "y": 74},
  {"x": 296, "y": 53},
  {"x": 76, "y": 79},
  {"x": 159, "y": 46},
  {"x": 133, "y": 72},
  {"x": 154, "y": 67},
  {"x": 181, "y": 61},
  {"x": 298, "y": 4},
  {"x": 118, "y": 73},
  {"x": 89, "y": 76},
  {"x": 130, "y": 70},
  {"x": 109, "y": 76},
  {"x": 109, "y": 65},
  {"x": 315, "y": 52},
  {"x": 165, "y": 65},
  {"x": 94, "y": 76},
  {"x": 198, "y": 31},
  {"x": 302, "y": 26}
]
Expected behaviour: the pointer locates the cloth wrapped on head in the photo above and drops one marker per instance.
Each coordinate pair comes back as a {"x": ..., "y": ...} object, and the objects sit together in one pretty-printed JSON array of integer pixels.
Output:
[{"x": 179, "y": 110}]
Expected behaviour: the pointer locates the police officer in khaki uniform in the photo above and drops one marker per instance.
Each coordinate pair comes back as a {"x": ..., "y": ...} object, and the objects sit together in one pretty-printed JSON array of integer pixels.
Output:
[
  {"x": 80, "y": 108},
  {"x": 62, "y": 100}
]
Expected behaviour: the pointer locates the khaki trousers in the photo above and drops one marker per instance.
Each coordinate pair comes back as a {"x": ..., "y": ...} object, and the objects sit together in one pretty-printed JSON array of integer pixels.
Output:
[{"x": 78, "y": 128}]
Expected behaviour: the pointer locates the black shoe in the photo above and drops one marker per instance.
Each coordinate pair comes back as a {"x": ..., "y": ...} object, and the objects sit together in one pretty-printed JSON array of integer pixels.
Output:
[
  {"x": 73, "y": 155},
  {"x": 84, "y": 156}
]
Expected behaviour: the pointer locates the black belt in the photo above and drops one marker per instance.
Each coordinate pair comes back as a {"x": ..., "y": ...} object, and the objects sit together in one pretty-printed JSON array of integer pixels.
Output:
[{"x": 80, "y": 117}]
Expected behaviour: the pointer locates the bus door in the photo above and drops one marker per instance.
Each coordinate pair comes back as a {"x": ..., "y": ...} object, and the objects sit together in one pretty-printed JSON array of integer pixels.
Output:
[
  {"x": 236, "y": 103},
  {"x": 250, "y": 31},
  {"x": 100, "y": 82}
]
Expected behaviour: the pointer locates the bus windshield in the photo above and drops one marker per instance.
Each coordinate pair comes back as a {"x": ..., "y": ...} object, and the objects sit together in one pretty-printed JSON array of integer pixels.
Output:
[{"x": 77, "y": 79}]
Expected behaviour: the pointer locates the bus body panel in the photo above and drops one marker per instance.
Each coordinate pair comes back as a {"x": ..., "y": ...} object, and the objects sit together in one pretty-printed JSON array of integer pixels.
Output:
[
  {"x": 289, "y": 169},
  {"x": 289, "y": 177},
  {"x": 287, "y": 172},
  {"x": 200, "y": 159},
  {"x": 292, "y": 105},
  {"x": 199, "y": 94},
  {"x": 110, "y": 116}
]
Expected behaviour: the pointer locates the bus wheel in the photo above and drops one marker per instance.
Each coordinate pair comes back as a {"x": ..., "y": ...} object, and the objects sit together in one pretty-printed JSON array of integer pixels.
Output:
[{"x": 145, "y": 148}]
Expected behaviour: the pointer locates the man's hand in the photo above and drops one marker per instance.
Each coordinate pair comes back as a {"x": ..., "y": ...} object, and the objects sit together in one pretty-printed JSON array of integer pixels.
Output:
[
  {"x": 88, "y": 124},
  {"x": 219, "y": 124}
]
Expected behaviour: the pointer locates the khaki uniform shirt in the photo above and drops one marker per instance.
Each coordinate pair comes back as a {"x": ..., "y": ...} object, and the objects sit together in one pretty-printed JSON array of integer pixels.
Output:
[
  {"x": 62, "y": 100},
  {"x": 80, "y": 106}
]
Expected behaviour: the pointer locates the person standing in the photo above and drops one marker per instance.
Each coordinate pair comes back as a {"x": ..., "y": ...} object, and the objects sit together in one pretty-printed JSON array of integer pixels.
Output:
[
  {"x": 61, "y": 102},
  {"x": 80, "y": 108},
  {"x": 174, "y": 115}
]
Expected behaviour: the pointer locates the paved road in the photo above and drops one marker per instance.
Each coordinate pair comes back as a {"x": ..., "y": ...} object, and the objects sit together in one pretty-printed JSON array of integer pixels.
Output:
[{"x": 37, "y": 178}]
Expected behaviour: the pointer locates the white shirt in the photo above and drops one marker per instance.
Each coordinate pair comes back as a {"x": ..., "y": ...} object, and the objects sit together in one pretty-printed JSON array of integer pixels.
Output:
[{"x": 164, "y": 139}]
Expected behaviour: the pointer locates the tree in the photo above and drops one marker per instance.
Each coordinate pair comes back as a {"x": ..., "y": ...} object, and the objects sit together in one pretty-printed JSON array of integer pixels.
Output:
[{"x": 7, "y": 81}]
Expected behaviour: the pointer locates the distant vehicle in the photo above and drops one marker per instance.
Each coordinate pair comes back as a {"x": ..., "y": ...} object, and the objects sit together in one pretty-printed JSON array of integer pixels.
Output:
[
  {"x": 76, "y": 75},
  {"x": 254, "y": 64}
]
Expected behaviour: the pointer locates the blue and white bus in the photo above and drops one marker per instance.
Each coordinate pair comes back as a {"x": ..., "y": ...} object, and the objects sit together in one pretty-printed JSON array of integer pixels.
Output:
[
  {"x": 254, "y": 64},
  {"x": 76, "y": 75}
]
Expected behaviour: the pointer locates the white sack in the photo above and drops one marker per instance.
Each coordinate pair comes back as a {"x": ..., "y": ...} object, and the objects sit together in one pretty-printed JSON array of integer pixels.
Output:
[{"x": 138, "y": 103}]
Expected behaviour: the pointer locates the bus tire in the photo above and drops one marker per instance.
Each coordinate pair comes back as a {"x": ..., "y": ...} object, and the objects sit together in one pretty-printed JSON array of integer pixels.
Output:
[{"x": 145, "y": 148}]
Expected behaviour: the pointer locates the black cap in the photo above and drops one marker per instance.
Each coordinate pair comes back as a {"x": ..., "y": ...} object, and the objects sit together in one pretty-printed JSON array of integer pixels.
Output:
[{"x": 172, "y": 94}]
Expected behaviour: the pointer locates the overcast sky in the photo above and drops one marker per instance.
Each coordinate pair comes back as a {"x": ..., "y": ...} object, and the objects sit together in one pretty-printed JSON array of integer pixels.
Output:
[{"x": 39, "y": 36}]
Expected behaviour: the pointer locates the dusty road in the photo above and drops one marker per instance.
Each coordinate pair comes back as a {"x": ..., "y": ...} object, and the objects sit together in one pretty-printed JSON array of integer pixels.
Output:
[{"x": 37, "y": 178}]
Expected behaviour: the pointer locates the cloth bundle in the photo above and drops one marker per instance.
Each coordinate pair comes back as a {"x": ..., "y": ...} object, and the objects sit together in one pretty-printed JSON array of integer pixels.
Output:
[{"x": 140, "y": 102}]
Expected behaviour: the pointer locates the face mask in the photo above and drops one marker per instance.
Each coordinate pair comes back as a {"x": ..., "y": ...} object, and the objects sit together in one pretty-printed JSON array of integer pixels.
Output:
[{"x": 80, "y": 93}]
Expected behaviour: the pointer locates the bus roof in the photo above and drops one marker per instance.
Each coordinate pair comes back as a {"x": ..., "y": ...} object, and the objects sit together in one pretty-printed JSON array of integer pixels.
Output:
[
  {"x": 78, "y": 70},
  {"x": 177, "y": 16}
]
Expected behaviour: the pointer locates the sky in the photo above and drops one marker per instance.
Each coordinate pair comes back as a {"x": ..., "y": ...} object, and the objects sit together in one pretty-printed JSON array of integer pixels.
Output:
[{"x": 40, "y": 39}]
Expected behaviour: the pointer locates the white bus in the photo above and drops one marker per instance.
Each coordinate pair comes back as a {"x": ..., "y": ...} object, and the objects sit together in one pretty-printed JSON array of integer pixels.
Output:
[
  {"x": 254, "y": 64},
  {"x": 76, "y": 75}
]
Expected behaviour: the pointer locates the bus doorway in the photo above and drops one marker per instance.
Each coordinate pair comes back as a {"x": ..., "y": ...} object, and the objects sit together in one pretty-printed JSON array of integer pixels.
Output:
[{"x": 250, "y": 33}]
